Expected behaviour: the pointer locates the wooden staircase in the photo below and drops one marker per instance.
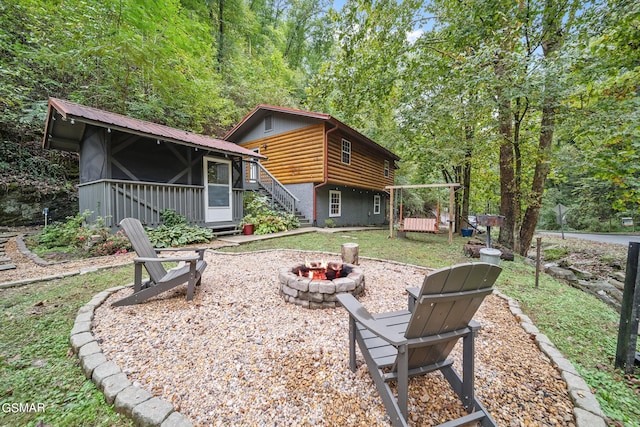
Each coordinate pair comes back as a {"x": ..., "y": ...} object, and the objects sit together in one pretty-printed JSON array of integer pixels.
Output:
[
  {"x": 304, "y": 222},
  {"x": 261, "y": 181}
]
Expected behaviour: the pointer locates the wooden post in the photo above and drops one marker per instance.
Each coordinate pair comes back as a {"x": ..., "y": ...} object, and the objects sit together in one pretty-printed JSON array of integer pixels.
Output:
[
  {"x": 629, "y": 312},
  {"x": 451, "y": 218},
  {"x": 391, "y": 212},
  {"x": 350, "y": 253},
  {"x": 538, "y": 250}
]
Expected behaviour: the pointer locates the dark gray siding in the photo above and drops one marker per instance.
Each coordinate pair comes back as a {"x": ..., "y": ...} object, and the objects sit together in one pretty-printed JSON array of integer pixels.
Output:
[
  {"x": 119, "y": 156},
  {"x": 304, "y": 192},
  {"x": 280, "y": 123},
  {"x": 357, "y": 206}
]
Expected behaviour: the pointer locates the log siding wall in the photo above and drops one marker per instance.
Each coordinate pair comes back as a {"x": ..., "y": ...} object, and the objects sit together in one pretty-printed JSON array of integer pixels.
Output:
[
  {"x": 297, "y": 157},
  {"x": 294, "y": 157},
  {"x": 366, "y": 169}
]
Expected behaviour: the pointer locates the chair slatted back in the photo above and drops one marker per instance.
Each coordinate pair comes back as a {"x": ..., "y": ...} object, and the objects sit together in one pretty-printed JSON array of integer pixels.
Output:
[
  {"x": 141, "y": 244},
  {"x": 448, "y": 300}
]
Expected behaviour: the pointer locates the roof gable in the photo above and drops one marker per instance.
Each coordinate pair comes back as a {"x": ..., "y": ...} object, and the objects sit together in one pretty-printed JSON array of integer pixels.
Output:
[
  {"x": 66, "y": 138},
  {"x": 255, "y": 116}
]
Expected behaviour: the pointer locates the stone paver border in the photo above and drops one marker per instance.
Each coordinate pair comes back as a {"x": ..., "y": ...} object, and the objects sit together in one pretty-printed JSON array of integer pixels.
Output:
[
  {"x": 586, "y": 410},
  {"x": 22, "y": 247},
  {"x": 128, "y": 399}
]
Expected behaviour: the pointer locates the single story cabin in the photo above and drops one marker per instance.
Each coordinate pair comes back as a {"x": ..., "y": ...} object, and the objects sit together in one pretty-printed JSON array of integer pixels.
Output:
[{"x": 134, "y": 168}]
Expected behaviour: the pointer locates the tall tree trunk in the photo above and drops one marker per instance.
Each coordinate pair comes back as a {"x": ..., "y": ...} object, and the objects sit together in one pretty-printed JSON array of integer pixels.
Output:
[
  {"x": 220, "y": 33},
  {"x": 508, "y": 195},
  {"x": 539, "y": 176},
  {"x": 466, "y": 177},
  {"x": 552, "y": 19}
]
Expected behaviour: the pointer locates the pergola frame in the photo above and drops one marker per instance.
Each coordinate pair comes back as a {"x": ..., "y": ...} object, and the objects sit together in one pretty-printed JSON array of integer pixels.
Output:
[{"x": 452, "y": 187}]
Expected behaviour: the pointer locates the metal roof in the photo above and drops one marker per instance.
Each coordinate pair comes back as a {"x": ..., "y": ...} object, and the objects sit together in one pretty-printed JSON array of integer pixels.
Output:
[
  {"x": 66, "y": 134},
  {"x": 257, "y": 114}
]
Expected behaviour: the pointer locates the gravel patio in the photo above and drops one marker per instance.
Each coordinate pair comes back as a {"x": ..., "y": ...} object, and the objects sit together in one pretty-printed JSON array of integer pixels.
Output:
[{"x": 239, "y": 355}]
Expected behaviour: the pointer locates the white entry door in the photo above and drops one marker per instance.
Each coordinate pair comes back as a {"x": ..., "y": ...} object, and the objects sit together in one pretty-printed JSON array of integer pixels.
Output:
[{"x": 217, "y": 181}]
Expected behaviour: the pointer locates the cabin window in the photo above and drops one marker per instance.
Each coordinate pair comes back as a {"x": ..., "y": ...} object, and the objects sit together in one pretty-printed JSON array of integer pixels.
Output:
[
  {"x": 335, "y": 203},
  {"x": 376, "y": 204},
  {"x": 268, "y": 123},
  {"x": 386, "y": 168},
  {"x": 346, "y": 152}
]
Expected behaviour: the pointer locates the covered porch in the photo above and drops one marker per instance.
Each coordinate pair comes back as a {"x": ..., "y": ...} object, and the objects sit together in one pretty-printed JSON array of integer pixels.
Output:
[
  {"x": 132, "y": 168},
  {"x": 113, "y": 200}
]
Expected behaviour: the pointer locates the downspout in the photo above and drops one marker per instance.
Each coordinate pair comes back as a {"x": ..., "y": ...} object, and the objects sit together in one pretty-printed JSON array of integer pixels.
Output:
[{"x": 326, "y": 175}]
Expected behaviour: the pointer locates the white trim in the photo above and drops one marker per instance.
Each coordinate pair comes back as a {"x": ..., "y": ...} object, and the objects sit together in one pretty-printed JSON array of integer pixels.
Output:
[
  {"x": 346, "y": 152},
  {"x": 217, "y": 213},
  {"x": 331, "y": 203},
  {"x": 253, "y": 167},
  {"x": 387, "y": 166},
  {"x": 377, "y": 203}
]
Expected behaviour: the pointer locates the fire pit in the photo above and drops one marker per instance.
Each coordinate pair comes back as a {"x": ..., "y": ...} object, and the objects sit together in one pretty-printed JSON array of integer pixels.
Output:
[{"x": 315, "y": 284}]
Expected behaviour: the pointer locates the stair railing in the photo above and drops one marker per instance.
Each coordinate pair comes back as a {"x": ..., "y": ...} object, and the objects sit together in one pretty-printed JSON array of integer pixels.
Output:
[{"x": 279, "y": 193}]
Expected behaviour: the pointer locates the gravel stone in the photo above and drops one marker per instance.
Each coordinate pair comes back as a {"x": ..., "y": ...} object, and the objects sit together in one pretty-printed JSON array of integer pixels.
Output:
[{"x": 239, "y": 354}]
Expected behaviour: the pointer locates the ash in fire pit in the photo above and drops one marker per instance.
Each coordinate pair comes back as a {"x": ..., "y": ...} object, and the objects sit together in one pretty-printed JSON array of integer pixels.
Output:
[{"x": 315, "y": 284}]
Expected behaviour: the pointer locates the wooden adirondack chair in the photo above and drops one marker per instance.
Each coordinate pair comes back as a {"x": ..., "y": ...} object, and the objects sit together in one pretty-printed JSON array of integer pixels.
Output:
[
  {"x": 160, "y": 280},
  {"x": 411, "y": 342}
]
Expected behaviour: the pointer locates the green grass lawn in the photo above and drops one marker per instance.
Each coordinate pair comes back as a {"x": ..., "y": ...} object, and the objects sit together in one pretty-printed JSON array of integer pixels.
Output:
[{"x": 36, "y": 366}]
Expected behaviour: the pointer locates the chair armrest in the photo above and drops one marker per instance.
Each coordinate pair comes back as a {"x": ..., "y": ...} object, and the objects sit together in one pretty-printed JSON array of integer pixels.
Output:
[
  {"x": 191, "y": 259},
  {"x": 179, "y": 249},
  {"x": 362, "y": 316},
  {"x": 474, "y": 326},
  {"x": 412, "y": 298},
  {"x": 200, "y": 251}
]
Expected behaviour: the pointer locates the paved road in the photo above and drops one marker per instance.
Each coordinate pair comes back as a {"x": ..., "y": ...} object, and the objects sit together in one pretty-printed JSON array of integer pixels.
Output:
[{"x": 619, "y": 239}]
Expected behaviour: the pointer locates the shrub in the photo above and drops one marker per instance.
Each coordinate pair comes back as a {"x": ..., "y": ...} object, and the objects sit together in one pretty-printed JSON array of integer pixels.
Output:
[
  {"x": 175, "y": 231},
  {"x": 266, "y": 220},
  {"x": 82, "y": 239},
  {"x": 63, "y": 233},
  {"x": 553, "y": 254},
  {"x": 110, "y": 244},
  {"x": 171, "y": 218}
]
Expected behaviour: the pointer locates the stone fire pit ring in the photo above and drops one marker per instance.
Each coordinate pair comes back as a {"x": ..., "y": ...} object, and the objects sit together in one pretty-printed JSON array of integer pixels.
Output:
[{"x": 313, "y": 293}]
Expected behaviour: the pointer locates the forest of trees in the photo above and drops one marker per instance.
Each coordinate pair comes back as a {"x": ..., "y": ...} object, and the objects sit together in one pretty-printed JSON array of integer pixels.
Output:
[{"x": 527, "y": 104}]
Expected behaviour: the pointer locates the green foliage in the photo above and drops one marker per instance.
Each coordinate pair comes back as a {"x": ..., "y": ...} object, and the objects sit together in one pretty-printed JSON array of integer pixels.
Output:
[
  {"x": 64, "y": 233},
  {"x": 176, "y": 232},
  {"x": 171, "y": 218},
  {"x": 266, "y": 220},
  {"x": 554, "y": 254},
  {"x": 35, "y": 366},
  {"x": 81, "y": 239}
]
